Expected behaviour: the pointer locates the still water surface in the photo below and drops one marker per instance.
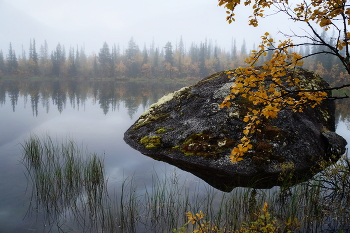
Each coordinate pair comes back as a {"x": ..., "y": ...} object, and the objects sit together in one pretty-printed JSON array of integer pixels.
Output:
[{"x": 93, "y": 114}]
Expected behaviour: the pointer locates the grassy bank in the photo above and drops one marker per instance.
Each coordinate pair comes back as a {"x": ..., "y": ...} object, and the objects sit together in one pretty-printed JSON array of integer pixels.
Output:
[{"x": 68, "y": 185}]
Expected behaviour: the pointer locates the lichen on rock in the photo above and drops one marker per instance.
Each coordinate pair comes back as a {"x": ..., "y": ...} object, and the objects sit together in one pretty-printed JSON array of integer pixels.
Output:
[{"x": 203, "y": 135}]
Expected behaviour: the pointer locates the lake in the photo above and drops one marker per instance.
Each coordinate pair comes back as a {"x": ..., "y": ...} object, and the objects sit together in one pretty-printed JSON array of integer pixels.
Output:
[{"x": 95, "y": 114}]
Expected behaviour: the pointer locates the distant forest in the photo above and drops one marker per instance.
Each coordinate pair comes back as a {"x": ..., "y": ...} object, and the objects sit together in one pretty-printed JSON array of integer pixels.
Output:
[{"x": 169, "y": 61}]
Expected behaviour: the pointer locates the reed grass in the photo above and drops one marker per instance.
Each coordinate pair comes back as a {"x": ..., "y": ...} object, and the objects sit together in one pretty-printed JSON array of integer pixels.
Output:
[
  {"x": 69, "y": 184},
  {"x": 65, "y": 181}
]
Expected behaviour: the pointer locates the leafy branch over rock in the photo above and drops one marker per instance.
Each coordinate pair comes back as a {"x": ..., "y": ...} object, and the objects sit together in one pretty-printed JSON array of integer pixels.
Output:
[
  {"x": 276, "y": 85},
  {"x": 270, "y": 88}
]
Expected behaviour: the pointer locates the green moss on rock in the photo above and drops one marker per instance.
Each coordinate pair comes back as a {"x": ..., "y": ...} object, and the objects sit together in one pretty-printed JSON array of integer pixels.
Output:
[
  {"x": 151, "y": 142},
  {"x": 161, "y": 130}
]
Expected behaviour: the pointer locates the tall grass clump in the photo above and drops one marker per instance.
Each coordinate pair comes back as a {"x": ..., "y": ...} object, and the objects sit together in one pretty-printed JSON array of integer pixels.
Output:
[{"x": 66, "y": 182}]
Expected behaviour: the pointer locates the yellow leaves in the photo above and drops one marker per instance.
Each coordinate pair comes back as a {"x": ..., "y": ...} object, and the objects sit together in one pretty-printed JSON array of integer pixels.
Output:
[
  {"x": 253, "y": 22},
  {"x": 270, "y": 89},
  {"x": 325, "y": 22},
  {"x": 238, "y": 152},
  {"x": 258, "y": 9},
  {"x": 246, "y": 118},
  {"x": 321, "y": 12},
  {"x": 194, "y": 218},
  {"x": 247, "y": 72},
  {"x": 236, "y": 155},
  {"x": 270, "y": 111},
  {"x": 239, "y": 85},
  {"x": 229, "y": 73},
  {"x": 200, "y": 225},
  {"x": 340, "y": 44},
  {"x": 313, "y": 98},
  {"x": 255, "y": 112},
  {"x": 246, "y": 3},
  {"x": 265, "y": 67},
  {"x": 264, "y": 209},
  {"x": 246, "y": 132},
  {"x": 226, "y": 102}
]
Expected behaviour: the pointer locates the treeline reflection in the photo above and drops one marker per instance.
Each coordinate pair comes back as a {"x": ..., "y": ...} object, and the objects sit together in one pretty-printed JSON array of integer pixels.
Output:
[{"x": 107, "y": 94}]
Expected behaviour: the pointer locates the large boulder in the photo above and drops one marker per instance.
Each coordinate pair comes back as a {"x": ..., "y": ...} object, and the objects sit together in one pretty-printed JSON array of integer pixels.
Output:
[{"x": 189, "y": 130}]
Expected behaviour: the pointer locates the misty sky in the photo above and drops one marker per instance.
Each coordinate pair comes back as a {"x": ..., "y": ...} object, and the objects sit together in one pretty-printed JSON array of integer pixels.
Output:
[{"x": 89, "y": 23}]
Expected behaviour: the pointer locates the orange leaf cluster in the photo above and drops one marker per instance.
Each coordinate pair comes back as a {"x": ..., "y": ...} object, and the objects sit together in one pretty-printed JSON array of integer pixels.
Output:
[{"x": 273, "y": 87}]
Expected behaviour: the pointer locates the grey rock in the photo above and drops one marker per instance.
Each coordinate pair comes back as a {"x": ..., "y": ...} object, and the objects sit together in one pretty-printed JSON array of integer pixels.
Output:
[{"x": 189, "y": 130}]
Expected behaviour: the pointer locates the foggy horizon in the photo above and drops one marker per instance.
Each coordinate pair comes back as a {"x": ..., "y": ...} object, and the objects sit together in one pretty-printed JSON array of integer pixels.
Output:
[{"x": 89, "y": 25}]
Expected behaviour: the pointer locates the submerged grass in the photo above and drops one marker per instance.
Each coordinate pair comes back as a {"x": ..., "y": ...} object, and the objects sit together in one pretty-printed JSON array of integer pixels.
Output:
[
  {"x": 65, "y": 181},
  {"x": 69, "y": 187}
]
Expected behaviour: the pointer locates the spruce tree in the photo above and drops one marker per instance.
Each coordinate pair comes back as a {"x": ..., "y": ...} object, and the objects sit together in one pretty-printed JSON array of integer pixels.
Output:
[
  {"x": 105, "y": 60},
  {"x": 12, "y": 63},
  {"x": 168, "y": 57},
  {"x": 34, "y": 53},
  {"x": 57, "y": 59}
]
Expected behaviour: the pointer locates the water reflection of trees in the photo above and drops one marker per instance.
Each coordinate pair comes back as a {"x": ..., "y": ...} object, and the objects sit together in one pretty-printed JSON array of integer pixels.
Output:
[
  {"x": 107, "y": 94},
  {"x": 13, "y": 93},
  {"x": 33, "y": 89}
]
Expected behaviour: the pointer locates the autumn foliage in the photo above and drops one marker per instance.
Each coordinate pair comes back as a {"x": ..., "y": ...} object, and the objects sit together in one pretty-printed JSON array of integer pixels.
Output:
[
  {"x": 264, "y": 222},
  {"x": 270, "y": 88},
  {"x": 276, "y": 85}
]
